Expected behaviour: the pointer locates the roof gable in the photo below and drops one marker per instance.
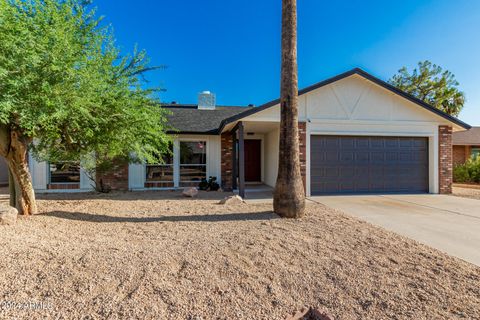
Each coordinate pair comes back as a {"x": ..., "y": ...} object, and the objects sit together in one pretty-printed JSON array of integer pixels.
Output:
[{"x": 348, "y": 103}]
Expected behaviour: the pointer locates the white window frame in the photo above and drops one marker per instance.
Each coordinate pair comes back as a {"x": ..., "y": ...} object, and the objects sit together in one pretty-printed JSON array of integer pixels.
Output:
[
  {"x": 161, "y": 165},
  {"x": 177, "y": 168},
  {"x": 176, "y": 161}
]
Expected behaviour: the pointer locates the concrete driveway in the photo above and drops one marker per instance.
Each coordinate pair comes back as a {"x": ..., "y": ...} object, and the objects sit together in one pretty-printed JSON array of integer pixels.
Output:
[{"x": 448, "y": 223}]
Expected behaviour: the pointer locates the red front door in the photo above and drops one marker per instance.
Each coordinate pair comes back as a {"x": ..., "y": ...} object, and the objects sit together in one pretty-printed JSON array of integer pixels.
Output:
[{"x": 253, "y": 164}]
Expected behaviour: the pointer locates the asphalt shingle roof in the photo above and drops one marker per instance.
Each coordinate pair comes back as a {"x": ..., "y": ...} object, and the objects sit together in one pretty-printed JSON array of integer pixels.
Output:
[
  {"x": 468, "y": 137},
  {"x": 188, "y": 119}
]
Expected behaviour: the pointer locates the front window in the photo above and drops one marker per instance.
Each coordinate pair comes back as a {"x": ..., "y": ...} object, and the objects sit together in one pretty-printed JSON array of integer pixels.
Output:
[
  {"x": 65, "y": 172},
  {"x": 161, "y": 175},
  {"x": 193, "y": 162}
]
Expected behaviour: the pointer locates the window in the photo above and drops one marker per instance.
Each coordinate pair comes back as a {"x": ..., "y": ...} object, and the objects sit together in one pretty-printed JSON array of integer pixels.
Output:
[
  {"x": 161, "y": 175},
  {"x": 193, "y": 162},
  {"x": 65, "y": 172},
  {"x": 475, "y": 152}
]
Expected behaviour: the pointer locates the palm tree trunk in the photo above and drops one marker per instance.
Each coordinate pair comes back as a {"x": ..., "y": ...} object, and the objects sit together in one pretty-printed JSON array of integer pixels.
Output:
[{"x": 289, "y": 195}]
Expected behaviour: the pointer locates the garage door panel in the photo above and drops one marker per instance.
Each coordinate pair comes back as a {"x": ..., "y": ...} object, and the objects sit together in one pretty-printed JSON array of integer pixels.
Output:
[
  {"x": 361, "y": 142},
  {"x": 347, "y": 171},
  {"x": 362, "y": 157},
  {"x": 377, "y": 157},
  {"x": 347, "y": 187},
  {"x": 348, "y": 143},
  {"x": 331, "y": 156},
  {"x": 358, "y": 164},
  {"x": 347, "y": 156}
]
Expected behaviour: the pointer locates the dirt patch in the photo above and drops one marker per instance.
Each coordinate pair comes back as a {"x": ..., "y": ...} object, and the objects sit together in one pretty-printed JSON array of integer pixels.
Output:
[
  {"x": 472, "y": 193},
  {"x": 158, "y": 255}
]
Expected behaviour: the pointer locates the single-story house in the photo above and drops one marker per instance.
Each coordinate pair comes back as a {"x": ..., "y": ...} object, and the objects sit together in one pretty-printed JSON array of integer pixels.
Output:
[
  {"x": 3, "y": 172},
  {"x": 466, "y": 144},
  {"x": 358, "y": 134}
]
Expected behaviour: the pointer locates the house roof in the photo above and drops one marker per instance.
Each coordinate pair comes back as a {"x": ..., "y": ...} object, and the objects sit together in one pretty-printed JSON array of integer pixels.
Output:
[
  {"x": 363, "y": 74},
  {"x": 467, "y": 137},
  {"x": 188, "y": 119}
]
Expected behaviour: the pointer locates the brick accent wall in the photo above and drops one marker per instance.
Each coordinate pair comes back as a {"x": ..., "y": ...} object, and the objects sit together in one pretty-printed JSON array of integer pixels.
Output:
[
  {"x": 459, "y": 154},
  {"x": 445, "y": 159},
  {"x": 226, "y": 161},
  {"x": 302, "y": 136},
  {"x": 63, "y": 186},
  {"x": 116, "y": 178}
]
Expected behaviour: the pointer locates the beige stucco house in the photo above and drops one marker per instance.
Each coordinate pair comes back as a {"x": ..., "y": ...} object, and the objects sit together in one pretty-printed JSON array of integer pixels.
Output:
[{"x": 358, "y": 134}]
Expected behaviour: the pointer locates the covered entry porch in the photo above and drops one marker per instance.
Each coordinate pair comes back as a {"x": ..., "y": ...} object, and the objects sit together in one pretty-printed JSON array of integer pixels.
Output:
[{"x": 250, "y": 157}]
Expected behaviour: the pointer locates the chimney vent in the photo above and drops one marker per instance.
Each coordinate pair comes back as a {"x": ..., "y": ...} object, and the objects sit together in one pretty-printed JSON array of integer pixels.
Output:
[{"x": 206, "y": 100}]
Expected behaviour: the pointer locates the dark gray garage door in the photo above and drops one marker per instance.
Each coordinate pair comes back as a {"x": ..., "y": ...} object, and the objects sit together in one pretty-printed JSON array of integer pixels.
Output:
[{"x": 357, "y": 164}]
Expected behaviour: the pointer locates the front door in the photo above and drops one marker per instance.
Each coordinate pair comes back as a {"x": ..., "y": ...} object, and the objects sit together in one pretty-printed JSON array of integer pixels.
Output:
[{"x": 253, "y": 164}]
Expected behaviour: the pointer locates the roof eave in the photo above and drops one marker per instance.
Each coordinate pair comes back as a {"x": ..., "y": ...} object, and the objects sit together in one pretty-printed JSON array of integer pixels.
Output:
[{"x": 210, "y": 132}]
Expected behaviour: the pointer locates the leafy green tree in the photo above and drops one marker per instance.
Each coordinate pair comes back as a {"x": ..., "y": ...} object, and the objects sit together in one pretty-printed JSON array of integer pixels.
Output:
[
  {"x": 66, "y": 92},
  {"x": 433, "y": 85}
]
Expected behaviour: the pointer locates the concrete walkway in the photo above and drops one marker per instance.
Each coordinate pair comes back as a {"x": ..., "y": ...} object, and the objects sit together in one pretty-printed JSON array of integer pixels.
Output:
[{"x": 448, "y": 223}]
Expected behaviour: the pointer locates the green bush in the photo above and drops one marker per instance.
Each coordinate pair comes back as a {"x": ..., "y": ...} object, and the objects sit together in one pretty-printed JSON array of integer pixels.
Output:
[{"x": 468, "y": 172}]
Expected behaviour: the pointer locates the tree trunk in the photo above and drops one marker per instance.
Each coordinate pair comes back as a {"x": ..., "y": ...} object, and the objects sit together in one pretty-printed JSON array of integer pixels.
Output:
[
  {"x": 12, "y": 189},
  {"x": 18, "y": 165},
  {"x": 289, "y": 195}
]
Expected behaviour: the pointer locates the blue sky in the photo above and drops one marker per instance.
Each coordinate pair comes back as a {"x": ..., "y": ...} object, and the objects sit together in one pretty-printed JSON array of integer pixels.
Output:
[{"x": 232, "y": 47}]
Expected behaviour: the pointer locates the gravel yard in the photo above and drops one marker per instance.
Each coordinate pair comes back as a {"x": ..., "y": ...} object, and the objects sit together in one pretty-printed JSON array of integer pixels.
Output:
[
  {"x": 156, "y": 255},
  {"x": 467, "y": 192}
]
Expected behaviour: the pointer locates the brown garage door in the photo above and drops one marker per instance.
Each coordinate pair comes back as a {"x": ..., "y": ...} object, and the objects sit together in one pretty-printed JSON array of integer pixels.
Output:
[{"x": 358, "y": 164}]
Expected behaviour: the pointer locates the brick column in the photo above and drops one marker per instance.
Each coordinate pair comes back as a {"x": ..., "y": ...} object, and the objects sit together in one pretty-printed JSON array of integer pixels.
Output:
[
  {"x": 117, "y": 177},
  {"x": 226, "y": 161},
  {"x": 302, "y": 137},
  {"x": 445, "y": 162}
]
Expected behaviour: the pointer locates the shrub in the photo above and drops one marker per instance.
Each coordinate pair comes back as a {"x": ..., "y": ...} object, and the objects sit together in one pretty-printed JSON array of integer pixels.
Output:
[
  {"x": 210, "y": 185},
  {"x": 468, "y": 172}
]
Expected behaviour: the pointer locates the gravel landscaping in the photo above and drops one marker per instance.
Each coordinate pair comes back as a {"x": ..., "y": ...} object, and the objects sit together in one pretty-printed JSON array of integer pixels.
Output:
[
  {"x": 157, "y": 255},
  {"x": 472, "y": 192}
]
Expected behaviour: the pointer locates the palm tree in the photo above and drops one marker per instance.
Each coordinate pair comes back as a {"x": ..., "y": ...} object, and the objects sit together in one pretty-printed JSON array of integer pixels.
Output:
[{"x": 289, "y": 195}]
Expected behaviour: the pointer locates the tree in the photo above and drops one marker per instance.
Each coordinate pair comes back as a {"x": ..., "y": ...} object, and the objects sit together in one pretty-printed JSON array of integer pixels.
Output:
[
  {"x": 289, "y": 195},
  {"x": 433, "y": 85},
  {"x": 66, "y": 93}
]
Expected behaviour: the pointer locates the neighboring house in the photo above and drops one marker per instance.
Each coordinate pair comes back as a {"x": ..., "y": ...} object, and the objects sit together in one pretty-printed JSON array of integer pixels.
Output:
[
  {"x": 3, "y": 172},
  {"x": 465, "y": 145},
  {"x": 358, "y": 134}
]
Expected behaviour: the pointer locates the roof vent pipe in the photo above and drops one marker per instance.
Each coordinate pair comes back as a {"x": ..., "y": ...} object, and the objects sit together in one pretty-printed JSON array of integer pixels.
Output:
[{"x": 206, "y": 100}]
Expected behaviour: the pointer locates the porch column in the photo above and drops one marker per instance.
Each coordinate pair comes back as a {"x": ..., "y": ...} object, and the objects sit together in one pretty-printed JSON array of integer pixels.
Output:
[
  {"x": 241, "y": 160},
  {"x": 234, "y": 160}
]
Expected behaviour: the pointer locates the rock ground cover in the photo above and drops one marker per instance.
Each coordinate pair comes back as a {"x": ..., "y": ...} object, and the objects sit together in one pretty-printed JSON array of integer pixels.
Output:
[
  {"x": 467, "y": 192},
  {"x": 159, "y": 255}
]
